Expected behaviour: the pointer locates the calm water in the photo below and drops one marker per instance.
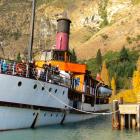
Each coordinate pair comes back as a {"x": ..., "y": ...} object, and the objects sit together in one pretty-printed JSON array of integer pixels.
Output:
[{"x": 95, "y": 129}]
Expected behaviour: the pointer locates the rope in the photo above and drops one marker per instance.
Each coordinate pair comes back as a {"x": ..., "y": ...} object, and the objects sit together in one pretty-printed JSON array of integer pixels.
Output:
[{"x": 79, "y": 110}]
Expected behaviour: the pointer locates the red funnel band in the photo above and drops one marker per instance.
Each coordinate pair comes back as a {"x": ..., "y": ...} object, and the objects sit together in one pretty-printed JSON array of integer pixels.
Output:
[{"x": 62, "y": 40}]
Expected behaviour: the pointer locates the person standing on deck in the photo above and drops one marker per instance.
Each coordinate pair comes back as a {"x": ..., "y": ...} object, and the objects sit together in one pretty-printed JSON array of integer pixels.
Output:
[{"x": 4, "y": 66}]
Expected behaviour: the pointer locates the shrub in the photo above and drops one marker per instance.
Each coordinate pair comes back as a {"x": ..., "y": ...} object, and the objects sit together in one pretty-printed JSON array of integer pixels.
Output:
[
  {"x": 129, "y": 40},
  {"x": 102, "y": 10},
  {"x": 104, "y": 36}
]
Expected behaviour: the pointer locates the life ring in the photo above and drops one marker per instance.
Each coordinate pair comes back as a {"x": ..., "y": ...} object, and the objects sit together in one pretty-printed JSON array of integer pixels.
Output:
[{"x": 21, "y": 69}]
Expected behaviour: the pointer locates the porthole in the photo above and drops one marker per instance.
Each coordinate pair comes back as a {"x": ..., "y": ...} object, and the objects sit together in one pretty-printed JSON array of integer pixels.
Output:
[
  {"x": 63, "y": 92},
  {"x": 55, "y": 91},
  {"x": 44, "y": 114},
  {"x": 50, "y": 89},
  {"x": 35, "y": 86},
  {"x": 19, "y": 83},
  {"x": 43, "y": 88}
]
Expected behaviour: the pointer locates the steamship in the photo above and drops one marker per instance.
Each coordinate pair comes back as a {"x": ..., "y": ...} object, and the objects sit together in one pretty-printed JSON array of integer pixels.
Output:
[{"x": 39, "y": 94}]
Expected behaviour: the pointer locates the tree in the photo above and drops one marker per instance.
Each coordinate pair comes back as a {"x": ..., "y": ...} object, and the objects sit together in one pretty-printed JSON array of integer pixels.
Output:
[
  {"x": 113, "y": 86},
  {"x": 18, "y": 57},
  {"x": 105, "y": 74},
  {"x": 124, "y": 54},
  {"x": 138, "y": 64},
  {"x": 99, "y": 59},
  {"x": 136, "y": 80},
  {"x": 74, "y": 57},
  {"x": 2, "y": 49},
  {"x": 102, "y": 10},
  {"x": 25, "y": 53},
  {"x": 136, "y": 84}
]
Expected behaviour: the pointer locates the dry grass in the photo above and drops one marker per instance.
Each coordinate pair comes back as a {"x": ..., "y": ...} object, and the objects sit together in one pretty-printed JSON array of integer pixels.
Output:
[
  {"x": 127, "y": 25},
  {"x": 84, "y": 38}
]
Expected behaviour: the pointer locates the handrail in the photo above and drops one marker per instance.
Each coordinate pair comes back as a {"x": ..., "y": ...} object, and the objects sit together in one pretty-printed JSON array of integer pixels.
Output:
[
  {"x": 50, "y": 75},
  {"x": 10, "y": 68}
]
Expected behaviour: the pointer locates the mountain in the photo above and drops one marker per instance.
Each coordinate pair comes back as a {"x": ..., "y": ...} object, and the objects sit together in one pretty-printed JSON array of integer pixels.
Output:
[{"x": 105, "y": 24}]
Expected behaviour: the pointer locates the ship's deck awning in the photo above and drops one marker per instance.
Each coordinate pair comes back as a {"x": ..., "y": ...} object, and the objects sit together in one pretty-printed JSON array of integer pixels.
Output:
[{"x": 66, "y": 66}]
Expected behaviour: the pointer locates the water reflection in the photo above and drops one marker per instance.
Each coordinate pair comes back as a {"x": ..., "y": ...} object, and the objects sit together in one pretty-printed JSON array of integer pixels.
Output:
[{"x": 94, "y": 129}]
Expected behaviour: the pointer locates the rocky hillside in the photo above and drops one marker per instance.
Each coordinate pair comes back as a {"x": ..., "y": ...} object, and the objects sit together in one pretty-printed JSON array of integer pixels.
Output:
[{"x": 104, "y": 24}]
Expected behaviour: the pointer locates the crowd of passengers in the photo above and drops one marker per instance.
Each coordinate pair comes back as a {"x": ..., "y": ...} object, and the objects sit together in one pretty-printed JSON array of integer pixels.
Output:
[{"x": 29, "y": 70}]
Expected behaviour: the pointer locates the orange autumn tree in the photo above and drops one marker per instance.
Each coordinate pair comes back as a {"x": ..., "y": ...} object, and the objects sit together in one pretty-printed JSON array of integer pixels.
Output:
[
  {"x": 105, "y": 74},
  {"x": 138, "y": 64},
  {"x": 136, "y": 81},
  {"x": 113, "y": 86}
]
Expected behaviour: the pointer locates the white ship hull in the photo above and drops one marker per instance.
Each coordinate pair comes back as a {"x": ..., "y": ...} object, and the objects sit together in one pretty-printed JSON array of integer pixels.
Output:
[
  {"x": 17, "y": 118},
  {"x": 25, "y": 107}
]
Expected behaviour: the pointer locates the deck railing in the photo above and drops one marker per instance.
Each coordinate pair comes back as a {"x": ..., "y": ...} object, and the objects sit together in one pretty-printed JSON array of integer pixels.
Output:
[{"x": 49, "y": 74}]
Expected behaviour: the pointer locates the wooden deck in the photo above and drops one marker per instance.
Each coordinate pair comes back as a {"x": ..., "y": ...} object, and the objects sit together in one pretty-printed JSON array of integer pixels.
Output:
[
  {"x": 128, "y": 108},
  {"x": 126, "y": 116}
]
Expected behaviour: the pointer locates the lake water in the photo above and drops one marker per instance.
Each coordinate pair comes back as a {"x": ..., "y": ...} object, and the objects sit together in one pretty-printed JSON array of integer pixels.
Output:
[{"x": 95, "y": 129}]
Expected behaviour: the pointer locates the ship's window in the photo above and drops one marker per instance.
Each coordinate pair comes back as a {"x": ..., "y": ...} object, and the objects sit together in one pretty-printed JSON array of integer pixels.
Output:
[
  {"x": 44, "y": 114},
  {"x": 50, "y": 89},
  {"x": 19, "y": 83},
  {"x": 49, "y": 56},
  {"x": 55, "y": 90},
  {"x": 61, "y": 57},
  {"x": 55, "y": 57},
  {"x": 63, "y": 92},
  {"x": 43, "y": 56},
  {"x": 35, "y": 86},
  {"x": 43, "y": 88}
]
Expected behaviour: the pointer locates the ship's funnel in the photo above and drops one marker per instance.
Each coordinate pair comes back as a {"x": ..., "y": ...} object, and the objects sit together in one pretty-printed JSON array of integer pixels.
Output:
[{"x": 62, "y": 37}]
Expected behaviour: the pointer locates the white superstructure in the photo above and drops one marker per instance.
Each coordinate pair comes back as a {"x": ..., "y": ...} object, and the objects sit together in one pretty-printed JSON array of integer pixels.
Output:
[{"x": 26, "y": 103}]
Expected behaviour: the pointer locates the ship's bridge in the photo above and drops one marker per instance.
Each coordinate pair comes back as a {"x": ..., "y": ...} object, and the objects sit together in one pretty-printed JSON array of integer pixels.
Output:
[
  {"x": 62, "y": 59},
  {"x": 54, "y": 54}
]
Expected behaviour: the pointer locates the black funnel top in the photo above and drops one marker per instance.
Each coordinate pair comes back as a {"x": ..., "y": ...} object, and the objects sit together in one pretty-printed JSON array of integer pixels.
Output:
[{"x": 63, "y": 25}]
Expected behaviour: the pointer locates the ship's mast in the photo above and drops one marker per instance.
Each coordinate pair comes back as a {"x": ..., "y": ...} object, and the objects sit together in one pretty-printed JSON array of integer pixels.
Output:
[{"x": 32, "y": 32}]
